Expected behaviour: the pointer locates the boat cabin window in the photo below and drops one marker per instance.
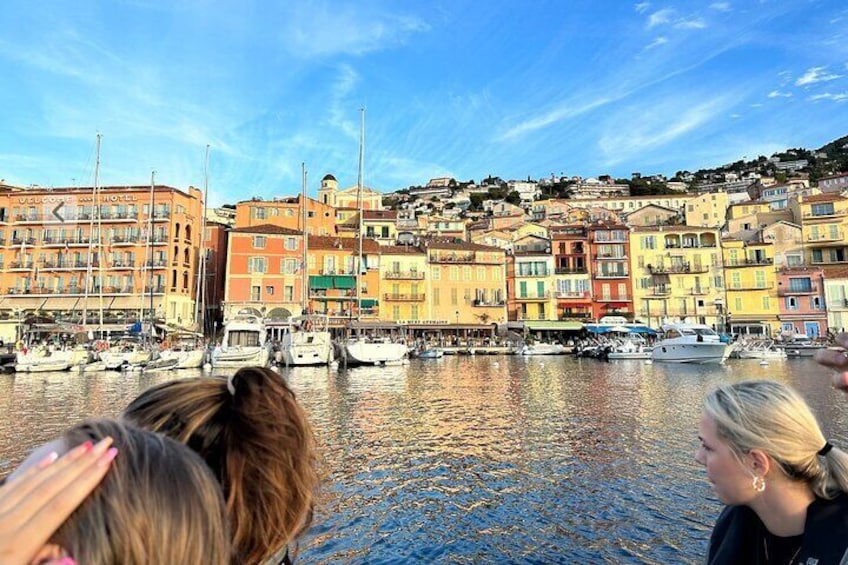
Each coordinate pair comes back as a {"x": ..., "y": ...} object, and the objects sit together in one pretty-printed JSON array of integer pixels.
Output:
[
  {"x": 705, "y": 331},
  {"x": 243, "y": 338},
  {"x": 672, "y": 333}
]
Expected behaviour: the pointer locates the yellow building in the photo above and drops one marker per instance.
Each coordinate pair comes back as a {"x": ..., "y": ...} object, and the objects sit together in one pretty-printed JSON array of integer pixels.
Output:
[
  {"x": 531, "y": 294},
  {"x": 467, "y": 282},
  {"x": 750, "y": 277},
  {"x": 404, "y": 286},
  {"x": 676, "y": 274},
  {"x": 330, "y": 195},
  {"x": 748, "y": 216},
  {"x": 707, "y": 210},
  {"x": 823, "y": 219},
  {"x": 379, "y": 225}
]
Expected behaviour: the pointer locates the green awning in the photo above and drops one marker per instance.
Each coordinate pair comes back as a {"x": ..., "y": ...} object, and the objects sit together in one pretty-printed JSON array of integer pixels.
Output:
[
  {"x": 369, "y": 302},
  {"x": 320, "y": 282},
  {"x": 344, "y": 282},
  {"x": 554, "y": 325}
]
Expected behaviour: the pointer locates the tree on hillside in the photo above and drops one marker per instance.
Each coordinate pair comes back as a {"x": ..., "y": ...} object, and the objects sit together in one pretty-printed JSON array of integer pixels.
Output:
[
  {"x": 476, "y": 201},
  {"x": 513, "y": 198}
]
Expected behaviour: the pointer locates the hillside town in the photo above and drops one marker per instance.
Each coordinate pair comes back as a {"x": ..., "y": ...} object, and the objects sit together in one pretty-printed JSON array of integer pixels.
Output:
[{"x": 760, "y": 251}]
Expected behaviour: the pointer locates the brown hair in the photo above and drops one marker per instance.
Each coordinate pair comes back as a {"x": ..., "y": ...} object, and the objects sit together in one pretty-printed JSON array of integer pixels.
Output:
[
  {"x": 258, "y": 442},
  {"x": 157, "y": 504}
]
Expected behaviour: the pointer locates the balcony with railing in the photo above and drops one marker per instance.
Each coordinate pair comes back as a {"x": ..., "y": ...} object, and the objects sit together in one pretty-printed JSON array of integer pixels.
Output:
[
  {"x": 750, "y": 286},
  {"x": 752, "y": 262},
  {"x": 21, "y": 265},
  {"x": 611, "y": 298},
  {"x": 619, "y": 274},
  {"x": 54, "y": 241},
  {"x": 823, "y": 214},
  {"x": 573, "y": 295},
  {"x": 392, "y": 297},
  {"x": 532, "y": 317},
  {"x": 678, "y": 269},
  {"x": 403, "y": 275},
  {"x": 20, "y": 240},
  {"x": 575, "y": 316},
  {"x": 699, "y": 291},
  {"x": 659, "y": 290},
  {"x": 571, "y": 270},
  {"x": 611, "y": 256},
  {"x": 488, "y": 303},
  {"x": 532, "y": 296},
  {"x": 825, "y": 238},
  {"x": 784, "y": 290},
  {"x": 531, "y": 273},
  {"x": 452, "y": 258}
]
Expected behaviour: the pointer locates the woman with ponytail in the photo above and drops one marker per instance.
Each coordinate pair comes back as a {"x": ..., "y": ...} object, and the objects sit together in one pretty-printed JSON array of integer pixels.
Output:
[
  {"x": 258, "y": 442},
  {"x": 783, "y": 483}
]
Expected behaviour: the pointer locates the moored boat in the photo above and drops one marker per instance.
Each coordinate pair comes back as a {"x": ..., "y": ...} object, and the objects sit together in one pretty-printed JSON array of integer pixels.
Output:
[
  {"x": 244, "y": 344},
  {"x": 759, "y": 349},
  {"x": 362, "y": 351},
  {"x": 540, "y": 348},
  {"x": 307, "y": 341},
  {"x": 801, "y": 346},
  {"x": 690, "y": 343}
]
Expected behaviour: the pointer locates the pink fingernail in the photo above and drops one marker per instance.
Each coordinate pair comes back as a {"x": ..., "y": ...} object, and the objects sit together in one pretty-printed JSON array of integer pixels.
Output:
[
  {"x": 49, "y": 460},
  {"x": 66, "y": 561},
  {"x": 107, "y": 457}
]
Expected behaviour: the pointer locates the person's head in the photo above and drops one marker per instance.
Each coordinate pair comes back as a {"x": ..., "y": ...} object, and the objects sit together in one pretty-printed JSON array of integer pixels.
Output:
[
  {"x": 158, "y": 503},
  {"x": 755, "y": 433},
  {"x": 258, "y": 442}
]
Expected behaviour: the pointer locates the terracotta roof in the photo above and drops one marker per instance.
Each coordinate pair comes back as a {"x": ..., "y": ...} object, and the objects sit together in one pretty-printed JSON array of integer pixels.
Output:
[
  {"x": 345, "y": 243},
  {"x": 401, "y": 250},
  {"x": 452, "y": 243},
  {"x": 267, "y": 229},
  {"x": 379, "y": 215},
  {"x": 823, "y": 198},
  {"x": 674, "y": 228}
]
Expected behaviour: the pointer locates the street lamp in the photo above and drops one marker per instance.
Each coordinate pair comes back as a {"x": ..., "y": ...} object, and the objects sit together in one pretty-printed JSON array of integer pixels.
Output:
[{"x": 457, "y": 316}]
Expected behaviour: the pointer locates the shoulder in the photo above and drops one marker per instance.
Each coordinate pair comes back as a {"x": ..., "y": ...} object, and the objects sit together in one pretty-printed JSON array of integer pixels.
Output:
[
  {"x": 733, "y": 535},
  {"x": 826, "y": 530}
]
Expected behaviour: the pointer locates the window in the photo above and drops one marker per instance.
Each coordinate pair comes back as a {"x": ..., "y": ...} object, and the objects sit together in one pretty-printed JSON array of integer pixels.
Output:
[
  {"x": 269, "y": 290},
  {"x": 466, "y": 273},
  {"x": 760, "y": 277},
  {"x": 815, "y": 302},
  {"x": 255, "y": 293},
  {"x": 454, "y": 297},
  {"x": 791, "y": 303},
  {"x": 649, "y": 242},
  {"x": 481, "y": 273},
  {"x": 824, "y": 209},
  {"x": 258, "y": 213},
  {"x": 737, "y": 302},
  {"x": 437, "y": 273},
  {"x": 288, "y": 293},
  {"x": 436, "y": 297},
  {"x": 766, "y": 303},
  {"x": 735, "y": 280},
  {"x": 413, "y": 315},
  {"x": 257, "y": 265},
  {"x": 454, "y": 273},
  {"x": 259, "y": 242},
  {"x": 291, "y": 244},
  {"x": 396, "y": 312}
]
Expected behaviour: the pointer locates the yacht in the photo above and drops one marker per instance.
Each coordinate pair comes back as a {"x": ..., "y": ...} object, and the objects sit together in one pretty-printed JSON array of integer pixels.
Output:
[
  {"x": 690, "y": 343},
  {"x": 41, "y": 360},
  {"x": 244, "y": 344},
  {"x": 127, "y": 351},
  {"x": 364, "y": 351},
  {"x": 540, "y": 348},
  {"x": 307, "y": 341},
  {"x": 759, "y": 349},
  {"x": 800, "y": 345},
  {"x": 184, "y": 350},
  {"x": 631, "y": 348}
]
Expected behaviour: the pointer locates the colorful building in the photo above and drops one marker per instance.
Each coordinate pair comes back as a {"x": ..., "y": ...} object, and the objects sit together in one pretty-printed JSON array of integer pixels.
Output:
[
  {"x": 751, "y": 284},
  {"x": 572, "y": 282},
  {"x": 707, "y": 210},
  {"x": 330, "y": 195},
  {"x": 611, "y": 287},
  {"x": 264, "y": 272},
  {"x": 287, "y": 213},
  {"x": 530, "y": 291},
  {"x": 128, "y": 252},
  {"x": 677, "y": 275},
  {"x": 801, "y": 299},
  {"x": 468, "y": 282},
  {"x": 404, "y": 286},
  {"x": 823, "y": 220},
  {"x": 836, "y": 298}
]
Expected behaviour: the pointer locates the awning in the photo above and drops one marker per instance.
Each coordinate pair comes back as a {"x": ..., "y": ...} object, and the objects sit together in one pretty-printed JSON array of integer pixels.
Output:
[
  {"x": 553, "y": 325},
  {"x": 320, "y": 282},
  {"x": 642, "y": 330},
  {"x": 344, "y": 282},
  {"x": 596, "y": 329},
  {"x": 369, "y": 302}
]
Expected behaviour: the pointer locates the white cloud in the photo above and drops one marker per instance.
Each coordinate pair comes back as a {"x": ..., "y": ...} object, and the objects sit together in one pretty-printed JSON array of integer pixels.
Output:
[
  {"x": 656, "y": 43},
  {"x": 642, "y": 7},
  {"x": 660, "y": 17},
  {"x": 840, "y": 97},
  {"x": 757, "y": 105},
  {"x": 816, "y": 74},
  {"x": 779, "y": 94},
  {"x": 735, "y": 116},
  {"x": 720, "y": 6},
  {"x": 695, "y": 23},
  {"x": 563, "y": 112}
]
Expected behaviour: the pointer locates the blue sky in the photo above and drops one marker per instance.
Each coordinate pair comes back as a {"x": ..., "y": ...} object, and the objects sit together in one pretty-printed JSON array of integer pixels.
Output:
[{"x": 461, "y": 89}]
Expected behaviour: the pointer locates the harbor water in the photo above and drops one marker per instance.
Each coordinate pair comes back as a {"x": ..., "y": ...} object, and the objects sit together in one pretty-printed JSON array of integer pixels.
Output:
[{"x": 486, "y": 459}]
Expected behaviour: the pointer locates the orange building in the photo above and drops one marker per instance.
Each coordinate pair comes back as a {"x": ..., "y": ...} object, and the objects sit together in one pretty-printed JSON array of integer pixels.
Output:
[
  {"x": 332, "y": 265},
  {"x": 215, "y": 243},
  {"x": 70, "y": 253},
  {"x": 611, "y": 287},
  {"x": 264, "y": 271},
  {"x": 287, "y": 213}
]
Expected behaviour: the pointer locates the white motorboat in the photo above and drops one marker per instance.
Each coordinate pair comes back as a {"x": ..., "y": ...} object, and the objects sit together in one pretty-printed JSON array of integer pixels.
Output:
[
  {"x": 690, "y": 343},
  {"x": 539, "y": 348},
  {"x": 801, "y": 345},
  {"x": 631, "y": 348},
  {"x": 362, "y": 351},
  {"x": 125, "y": 352},
  {"x": 41, "y": 360},
  {"x": 307, "y": 341},
  {"x": 759, "y": 349},
  {"x": 183, "y": 358},
  {"x": 431, "y": 353},
  {"x": 244, "y": 344}
]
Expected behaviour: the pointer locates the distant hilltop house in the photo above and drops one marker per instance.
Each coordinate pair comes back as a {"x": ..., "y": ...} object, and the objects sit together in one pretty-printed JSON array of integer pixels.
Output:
[
  {"x": 789, "y": 166},
  {"x": 595, "y": 188},
  {"x": 834, "y": 183}
]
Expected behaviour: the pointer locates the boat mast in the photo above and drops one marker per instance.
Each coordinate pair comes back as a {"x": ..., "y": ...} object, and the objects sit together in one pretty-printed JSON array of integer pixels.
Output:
[
  {"x": 359, "y": 182},
  {"x": 305, "y": 273},
  {"x": 200, "y": 295},
  {"x": 89, "y": 265},
  {"x": 150, "y": 241},
  {"x": 100, "y": 253}
]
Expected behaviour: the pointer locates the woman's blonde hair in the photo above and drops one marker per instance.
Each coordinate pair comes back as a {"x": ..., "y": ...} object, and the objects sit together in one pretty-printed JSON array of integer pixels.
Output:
[
  {"x": 157, "y": 504},
  {"x": 772, "y": 417},
  {"x": 258, "y": 441}
]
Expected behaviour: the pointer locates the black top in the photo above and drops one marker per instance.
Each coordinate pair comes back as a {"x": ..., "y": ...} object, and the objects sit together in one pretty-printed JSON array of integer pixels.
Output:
[{"x": 739, "y": 536}]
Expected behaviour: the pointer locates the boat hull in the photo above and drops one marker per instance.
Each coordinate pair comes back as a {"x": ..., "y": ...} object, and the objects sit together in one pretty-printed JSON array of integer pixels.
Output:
[
  {"x": 247, "y": 357},
  {"x": 363, "y": 353},
  {"x": 308, "y": 348},
  {"x": 543, "y": 349},
  {"x": 701, "y": 353},
  {"x": 619, "y": 355}
]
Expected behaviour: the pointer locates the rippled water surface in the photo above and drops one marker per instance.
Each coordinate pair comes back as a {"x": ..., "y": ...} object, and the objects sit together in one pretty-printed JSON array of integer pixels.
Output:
[{"x": 480, "y": 459}]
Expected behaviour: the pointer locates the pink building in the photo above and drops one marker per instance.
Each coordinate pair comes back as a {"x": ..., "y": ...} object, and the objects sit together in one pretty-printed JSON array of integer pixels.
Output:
[{"x": 801, "y": 297}]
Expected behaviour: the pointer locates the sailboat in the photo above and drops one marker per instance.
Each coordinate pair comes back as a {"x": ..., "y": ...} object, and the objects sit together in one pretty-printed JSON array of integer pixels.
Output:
[
  {"x": 307, "y": 340},
  {"x": 360, "y": 350}
]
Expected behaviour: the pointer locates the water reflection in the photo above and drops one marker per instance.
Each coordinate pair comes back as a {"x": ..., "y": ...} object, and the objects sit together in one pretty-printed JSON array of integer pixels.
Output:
[{"x": 484, "y": 459}]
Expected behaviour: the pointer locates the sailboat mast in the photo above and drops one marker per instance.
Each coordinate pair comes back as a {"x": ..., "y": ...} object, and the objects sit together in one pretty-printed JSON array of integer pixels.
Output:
[
  {"x": 200, "y": 295},
  {"x": 359, "y": 182},
  {"x": 150, "y": 240},
  {"x": 100, "y": 253},
  {"x": 89, "y": 265},
  {"x": 305, "y": 273}
]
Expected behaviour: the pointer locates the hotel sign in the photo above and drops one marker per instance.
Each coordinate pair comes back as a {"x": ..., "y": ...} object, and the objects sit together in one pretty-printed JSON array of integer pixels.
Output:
[
  {"x": 423, "y": 322},
  {"x": 55, "y": 199}
]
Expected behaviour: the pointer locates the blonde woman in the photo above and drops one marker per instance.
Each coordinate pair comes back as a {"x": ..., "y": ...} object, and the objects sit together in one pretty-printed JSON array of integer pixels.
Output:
[
  {"x": 159, "y": 503},
  {"x": 258, "y": 441},
  {"x": 783, "y": 483}
]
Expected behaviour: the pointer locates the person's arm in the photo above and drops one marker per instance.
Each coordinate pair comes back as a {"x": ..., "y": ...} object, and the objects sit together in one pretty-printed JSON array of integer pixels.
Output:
[
  {"x": 36, "y": 503},
  {"x": 837, "y": 359}
]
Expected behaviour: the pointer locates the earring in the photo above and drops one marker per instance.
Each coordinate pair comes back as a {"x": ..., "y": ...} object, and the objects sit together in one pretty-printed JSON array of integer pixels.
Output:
[{"x": 759, "y": 484}]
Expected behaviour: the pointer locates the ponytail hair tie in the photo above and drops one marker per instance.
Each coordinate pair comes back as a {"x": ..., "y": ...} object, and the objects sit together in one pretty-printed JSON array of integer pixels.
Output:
[
  {"x": 826, "y": 449},
  {"x": 231, "y": 386}
]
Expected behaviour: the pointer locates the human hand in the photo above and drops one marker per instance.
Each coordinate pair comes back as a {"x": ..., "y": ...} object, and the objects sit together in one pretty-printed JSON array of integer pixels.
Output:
[
  {"x": 36, "y": 503},
  {"x": 837, "y": 359}
]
